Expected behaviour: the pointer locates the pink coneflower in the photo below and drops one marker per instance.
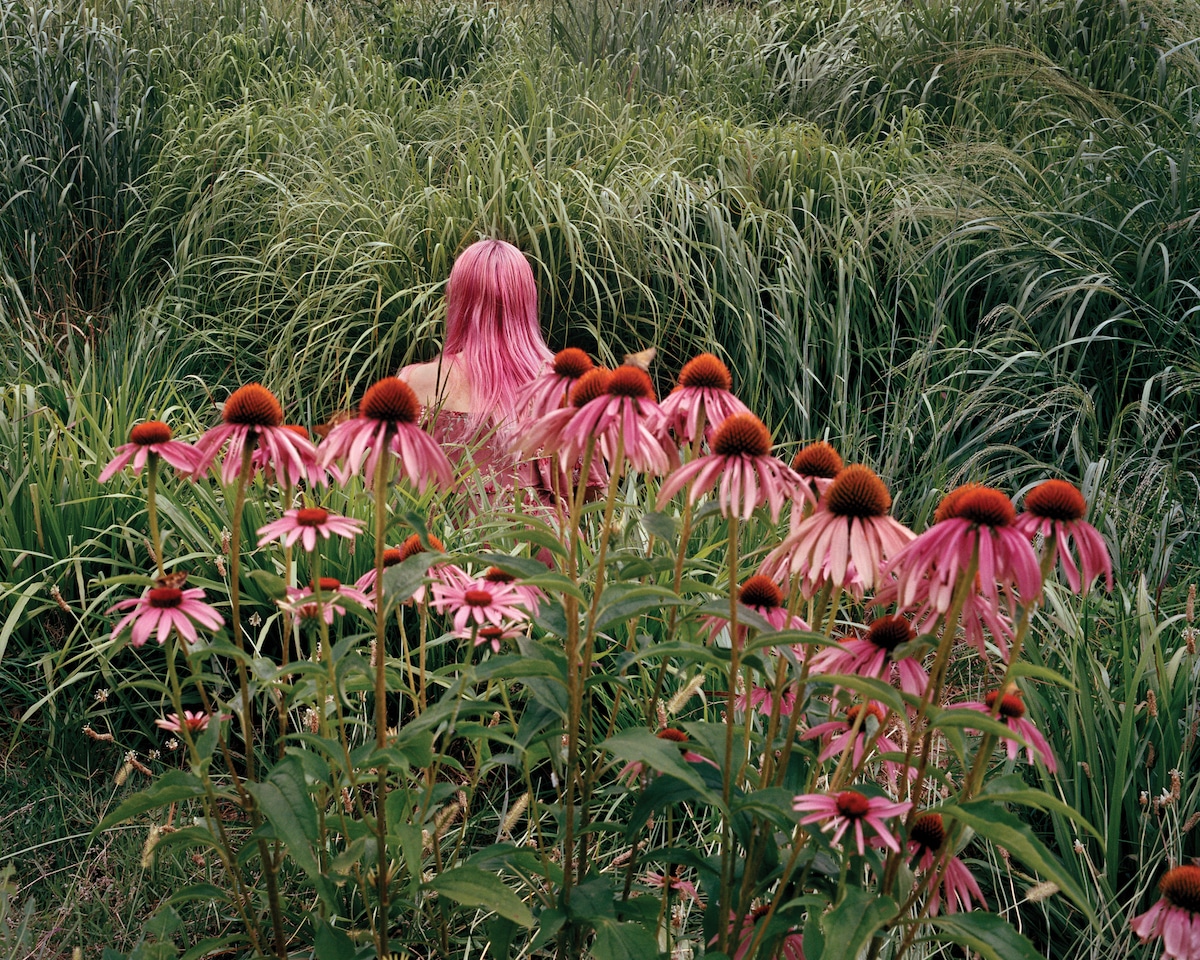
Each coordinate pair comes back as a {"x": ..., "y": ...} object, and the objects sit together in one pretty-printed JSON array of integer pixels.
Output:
[
  {"x": 492, "y": 634},
  {"x": 1176, "y": 916},
  {"x": 763, "y": 596},
  {"x": 974, "y": 523},
  {"x": 1055, "y": 509},
  {"x": 954, "y": 884},
  {"x": 532, "y": 597},
  {"x": 632, "y": 771},
  {"x": 762, "y": 699},
  {"x": 448, "y": 573},
  {"x": 741, "y": 460},
  {"x": 791, "y": 947},
  {"x": 302, "y": 604},
  {"x": 846, "y": 540},
  {"x": 193, "y": 720},
  {"x": 146, "y": 438},
  {"x": 1012, "y": 715},
  {"x": 549, "y": 391},
  {"x": 479, "y": 603},
  {"x": 387, "y": 419},
  {"x": 817, "y": 465},
  {"x": 305, "y": 524},
  {"x": 391, "y": 557},
  {"x": 872, "y": 656},
  {"x": 685, "y": 889},
  {"x": 253, "y": 419},
  {"x": 621, "y": 417},
  {"x": 314, "y": 473},
  {"x": 704, "y": 390},
  {"x": 851, "y": 809},
  {"x": 161, "y": 609},
  {"x": 836, "y": 734}
]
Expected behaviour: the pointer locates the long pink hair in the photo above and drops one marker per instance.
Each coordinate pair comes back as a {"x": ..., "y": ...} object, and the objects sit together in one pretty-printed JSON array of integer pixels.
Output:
[{"x": 492, "y": 324}]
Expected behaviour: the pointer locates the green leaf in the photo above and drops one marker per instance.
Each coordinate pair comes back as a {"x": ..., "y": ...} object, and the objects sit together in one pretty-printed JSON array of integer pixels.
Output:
[
  {"x": 516, "y": 566},
  {"x": 992, "y": 822},
  {"x": 1012, "y": 789},
  {"x": 330, "y": 943},
  {"x": 273, "y": 585},
  {"x": 401, "y": 580},
  {"x": 284, "y": 801},
  {"x": 989, "y": 935},
  {"x": 623, "y": 941},
  {"x": 1023, "y": 668},
  {"x": 172, "y": 787},
  {"x": 623, "y": 602},
  {"x": 660, "y": 525},
  {"x": 850, "y": 924},
  {"x": 639, "y": 745},
  {"x": 473, "y": 887}
]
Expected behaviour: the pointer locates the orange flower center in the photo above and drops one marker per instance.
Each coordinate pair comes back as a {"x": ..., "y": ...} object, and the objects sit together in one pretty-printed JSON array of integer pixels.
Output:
[
  {"x": 392, "y": 556},
  {"x": 491, "y": 632},
  {"x": 572, "y": 362},
  {"x": 705, "y": 372},
  {"x": 672, "y": 733},
  {"x": 391, "y": 400},
  {"x": 631, "y": 382},
  {"x": 760, "y": 591},
  {"x": 496, "y": 575},
  {"x": 888, "y": 633},
  {"x": 477, "y": 598},
  {"x": 1011, "y": 705},
  {"x": 150, "y": 432},
  {"x": 873, "y": 710},
  {"x": 858, "y": 492},
  {"x": 742, "y": 434},
  {"x": 327, "y": 584},
  {"x": 253, "y": 406},
  {"x": 1181, "y": 887},
  {"x": 165, "y": 598},
  {"x": 591, "y": 385},
  {"x": 984, "y": 506},
  {"x": 1056, "y": 500},
  {"x": 852, "y": 804},
  {"x": 413, "y": 546},
  {"x": 311, "y": 516},
  {"x": 929, "y": 832},
  {"x": 818, "y": 460}
]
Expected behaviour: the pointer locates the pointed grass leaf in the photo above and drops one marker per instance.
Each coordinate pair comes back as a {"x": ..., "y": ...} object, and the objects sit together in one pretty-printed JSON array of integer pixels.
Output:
[
  {"x": 472, "y": 887},
  {"x": 1013, "y": 789},
  {"x": 624, "y": 602},
  {"x": 623, "y": 941},
  {"x": 989, "y": 935}
]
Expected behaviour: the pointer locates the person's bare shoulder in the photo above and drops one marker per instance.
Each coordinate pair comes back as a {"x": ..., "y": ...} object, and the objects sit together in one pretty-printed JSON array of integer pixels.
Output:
[{"x": 435, "y": 384}]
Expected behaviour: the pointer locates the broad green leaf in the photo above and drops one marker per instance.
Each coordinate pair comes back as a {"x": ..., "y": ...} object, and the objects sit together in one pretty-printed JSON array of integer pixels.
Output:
[
  {"x": 623, "y": 941},
  {"x": 473, "y": 887},
  {"x": 330, "y": 943},
  {"x": 989, "y": 935},
  {"x": 660, "y": 525},
  {"x": 639, "y": 745},
  {"x": 992, "y": 822},
  {"x": 1012, "y": 789},
  {"x": 850, "y": 925},
  {"x": 516, "y": 566},
  {"x": 623, "y": 602},
  {"x": 401, "y": 580},
  {"x": 172, "y": 787}
]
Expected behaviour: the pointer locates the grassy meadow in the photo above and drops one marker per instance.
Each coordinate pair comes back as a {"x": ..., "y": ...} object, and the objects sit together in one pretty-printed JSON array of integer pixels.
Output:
[{"x": 957, "y": 240}]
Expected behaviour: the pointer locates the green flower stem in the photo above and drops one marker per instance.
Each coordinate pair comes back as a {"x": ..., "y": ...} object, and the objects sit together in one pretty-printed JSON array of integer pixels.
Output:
[
  {"x": 235, "y": 601},
  {"x": 382, "y": 476},
  {"x": 152, "y": 510},
  {"x": 727, "y": 858}
]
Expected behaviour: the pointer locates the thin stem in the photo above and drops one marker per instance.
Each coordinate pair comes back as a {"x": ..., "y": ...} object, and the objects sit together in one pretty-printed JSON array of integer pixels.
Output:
[
  {"x": 382, "y": 471},
  {"x": 727, "y": 858},
  {"x": 152, "y": 510}
]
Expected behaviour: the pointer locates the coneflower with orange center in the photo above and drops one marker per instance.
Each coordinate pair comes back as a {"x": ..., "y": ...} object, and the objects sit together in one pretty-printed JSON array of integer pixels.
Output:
[
  {"x": 954, "y": 885},
  {"x": 387, "y": 419},
  {"x": 873, "y": 655},
  {"x": 315, "y": 474},
  {"x": 306, "y": 603},
  {"x": 549, "y": 391},
  {"x": 449, "y": 573},
  {"x": 704, "y": 390},
  {"x": 817, "y": 465},
  {"x": 1011, "y": 712},
  {"x": 162, "y": 609},
  {"x": 836, "y": 734},
  {"x": 305, "y": 525},
  {"x": 846, "y": 540},
  {"x": 742, "y": 463},
  {"x": 763, "y": 596},
  {"x": 1056, "y": 509},
  {"x": 847, "y": 809},
  {"x": 620, "y": 419},
  {"x": 151, "y": 437},
  {"x": 479, "y": 603},
  {"x": 1175, "y": 917},
  {"x": 253, "y": 420},
  {"x": 975, "y": 530},
  {"x": 544, "y": 435}
]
